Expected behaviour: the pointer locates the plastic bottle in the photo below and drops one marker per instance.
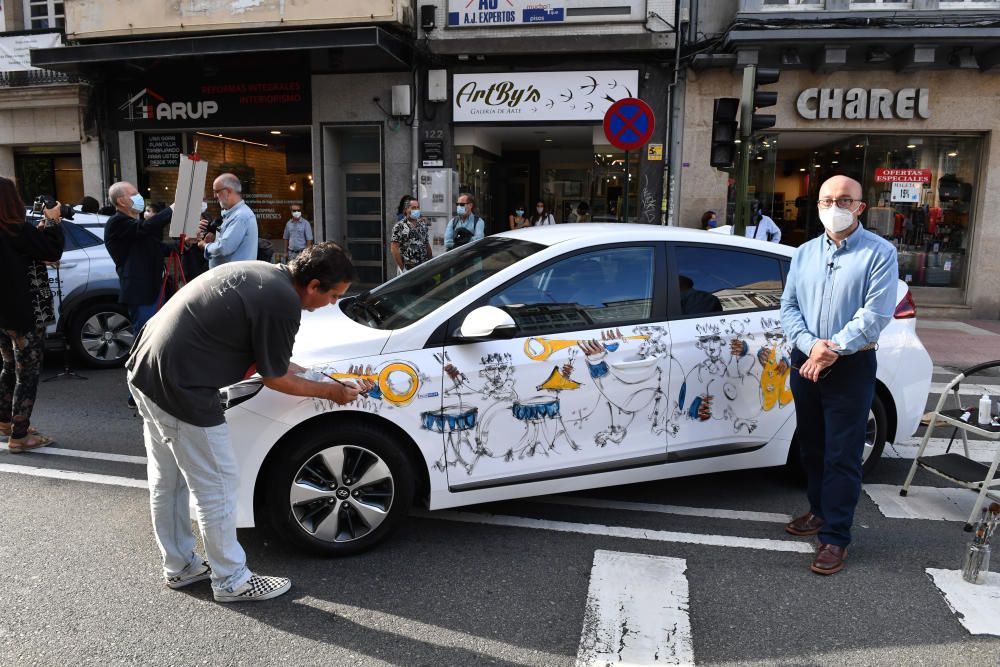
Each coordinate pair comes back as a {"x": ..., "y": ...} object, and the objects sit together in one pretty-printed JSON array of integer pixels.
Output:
[{"x": 985, "y": 408}]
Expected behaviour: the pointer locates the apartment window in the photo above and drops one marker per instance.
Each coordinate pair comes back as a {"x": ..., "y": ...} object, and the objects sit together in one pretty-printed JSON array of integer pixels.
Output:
[
  {"x": 785, "y": 5},
  {"x": 969, "y": 4},
  {"x": 881, "y": 4},
  {"x": 43, "y": 14}
]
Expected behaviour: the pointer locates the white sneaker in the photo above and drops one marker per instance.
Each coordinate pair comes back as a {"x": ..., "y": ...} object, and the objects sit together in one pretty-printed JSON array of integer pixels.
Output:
[
  {"x": 257, "y": 588},
  {"x": 192, "y": 574}
]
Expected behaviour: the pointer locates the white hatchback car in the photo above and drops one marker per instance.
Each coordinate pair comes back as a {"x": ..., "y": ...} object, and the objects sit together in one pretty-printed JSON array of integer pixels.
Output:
[{"x": 542, "y": 361}]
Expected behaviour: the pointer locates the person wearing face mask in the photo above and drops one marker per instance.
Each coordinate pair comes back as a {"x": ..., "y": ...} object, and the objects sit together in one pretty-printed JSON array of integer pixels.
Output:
[
  {"x": 465, "y": 219},
  {"x": 517, "y": 219},
  {"x": 134, "y": 244},
  {"x": 542, "y": 215},
  {"x": 237, "y": 238},
  {"x": 298, "y": 233},
  {"x": 411, "y": 244},
  {"x": 763, "y": 227},
  {"x": 709, "y": 220},
  {"x": 839, "y": 295},
  {"x": 152, "y": 208}
]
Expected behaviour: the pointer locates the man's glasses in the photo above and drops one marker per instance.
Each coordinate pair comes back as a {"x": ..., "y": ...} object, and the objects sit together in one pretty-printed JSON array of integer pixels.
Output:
[
  {"x": 461, "y": 203},
  {"x": 841, "y": 202}
]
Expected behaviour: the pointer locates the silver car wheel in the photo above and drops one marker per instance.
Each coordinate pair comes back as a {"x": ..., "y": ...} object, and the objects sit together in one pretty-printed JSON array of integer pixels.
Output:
[
  {"x": 341, "y": 493},
  {"x": 871, "y": 433},
  {"x": 107, "y": 336}
]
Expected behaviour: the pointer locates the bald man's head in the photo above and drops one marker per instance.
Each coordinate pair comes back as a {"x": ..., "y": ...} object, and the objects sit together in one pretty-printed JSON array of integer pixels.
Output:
[
  {"x": 840, "y": 196},
  {"x": 842, "y": 184}
]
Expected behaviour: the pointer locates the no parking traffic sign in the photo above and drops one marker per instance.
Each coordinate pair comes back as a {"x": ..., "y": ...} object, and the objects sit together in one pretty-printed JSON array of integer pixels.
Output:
[{"x": 628, "y": 124}]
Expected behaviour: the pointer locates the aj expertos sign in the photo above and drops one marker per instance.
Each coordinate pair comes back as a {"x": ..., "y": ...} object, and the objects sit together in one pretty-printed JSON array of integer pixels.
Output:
[{"x": 539, "y": 96}]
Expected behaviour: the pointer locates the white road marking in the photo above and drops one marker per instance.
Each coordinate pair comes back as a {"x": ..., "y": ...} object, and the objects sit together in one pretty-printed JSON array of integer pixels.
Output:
[
  {"x": 601, "y": 503},
  {"x": 922, "y": 502},
  {"x": 74, "y": 476},
  {"x": 968, "y": 388},
  {"x": 435, "y": 635},
  {"x": 636, "y": 613},
  {"x": 976, "y": 605},
  {"x": 628, "y": 532},
  {"x": 979, "y": 450},
  {"x": 84, "y": 454}
]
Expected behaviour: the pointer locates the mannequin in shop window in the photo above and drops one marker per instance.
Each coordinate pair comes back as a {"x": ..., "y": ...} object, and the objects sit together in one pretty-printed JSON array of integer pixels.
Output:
[{"x": 542, "y": 215}]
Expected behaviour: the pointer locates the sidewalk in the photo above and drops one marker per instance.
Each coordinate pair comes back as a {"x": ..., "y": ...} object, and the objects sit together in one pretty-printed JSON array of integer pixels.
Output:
[{"x": 960, "y": 344}]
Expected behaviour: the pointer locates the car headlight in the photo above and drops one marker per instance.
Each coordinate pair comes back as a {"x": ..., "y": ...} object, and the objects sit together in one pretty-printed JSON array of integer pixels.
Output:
[{"x": 240, "y": 392}]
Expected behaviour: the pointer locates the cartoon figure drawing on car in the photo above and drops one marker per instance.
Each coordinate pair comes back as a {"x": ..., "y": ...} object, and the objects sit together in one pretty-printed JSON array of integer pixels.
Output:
[{"x": 775, "y": 363}]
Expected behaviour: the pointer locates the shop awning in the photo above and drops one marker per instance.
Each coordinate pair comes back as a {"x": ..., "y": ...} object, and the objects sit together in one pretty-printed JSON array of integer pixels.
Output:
[{"x": 368, "y": 48}]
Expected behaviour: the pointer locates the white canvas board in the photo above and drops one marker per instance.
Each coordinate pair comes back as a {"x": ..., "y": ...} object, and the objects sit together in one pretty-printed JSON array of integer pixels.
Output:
[{"x": 190, "y": 190}]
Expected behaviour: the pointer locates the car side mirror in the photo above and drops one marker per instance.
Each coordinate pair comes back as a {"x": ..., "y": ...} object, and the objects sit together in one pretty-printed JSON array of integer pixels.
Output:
[{"x": 488, "y": 322}]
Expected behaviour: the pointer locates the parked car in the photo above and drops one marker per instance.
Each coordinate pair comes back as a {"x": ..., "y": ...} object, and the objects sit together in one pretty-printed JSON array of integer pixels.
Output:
[
  {"x": 541, "y": 361},
  {"x": 96, "y": 327}
]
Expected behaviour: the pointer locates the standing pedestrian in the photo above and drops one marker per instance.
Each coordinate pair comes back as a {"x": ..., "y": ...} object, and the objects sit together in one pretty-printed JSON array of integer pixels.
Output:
[
  {"x": 465, "y": 226},
  {"x": 134, "y": 244},
  {"x": 298, "y": 233},
  {"x": 234, "y": 319},
  {"x": 839, "y": 295},
  {"x": 411, "y": 245},
  {"x": 237, "y": 238},
  {"x": 403, "y": 201},
  {"x": 709, "y": 220},
  {"x": 517, "y": 219},
  {"x": 25, "y": 310},
  {"x": 763, "y": 228},
  {"x": 542, "y": 215}
]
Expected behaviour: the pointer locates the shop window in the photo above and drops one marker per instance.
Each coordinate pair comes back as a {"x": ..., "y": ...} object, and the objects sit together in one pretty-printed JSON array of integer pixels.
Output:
[
  {"x": 715, "y": 280},
  {"x": 604, "y": 288},
  {"x": 43, "y": 14},
  {"x": 60, "y": 176}
]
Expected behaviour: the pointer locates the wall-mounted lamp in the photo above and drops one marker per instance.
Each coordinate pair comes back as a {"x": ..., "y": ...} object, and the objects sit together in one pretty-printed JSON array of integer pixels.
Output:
[
  {"x": 292, "y": 186},
  {"x": 878, "y": 55},
  {"x": 790, "y": 57}
]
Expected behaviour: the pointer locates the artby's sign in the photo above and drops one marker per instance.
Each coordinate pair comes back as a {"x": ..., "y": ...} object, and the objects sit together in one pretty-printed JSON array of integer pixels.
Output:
[{"x": 863, "y": 103}]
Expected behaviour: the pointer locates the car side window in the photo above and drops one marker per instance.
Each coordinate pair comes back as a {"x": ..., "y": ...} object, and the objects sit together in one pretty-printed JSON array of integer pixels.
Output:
[
  {"x": 606, "y": 287},
  {"x": 715, "y": 280},
  {"x": 77, "y": 237}
]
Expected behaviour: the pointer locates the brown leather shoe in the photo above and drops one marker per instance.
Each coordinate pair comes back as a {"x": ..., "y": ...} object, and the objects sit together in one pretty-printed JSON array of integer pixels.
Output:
[
  {"x": 807, "y": 524},
  {"x": 829, "y": 559}
]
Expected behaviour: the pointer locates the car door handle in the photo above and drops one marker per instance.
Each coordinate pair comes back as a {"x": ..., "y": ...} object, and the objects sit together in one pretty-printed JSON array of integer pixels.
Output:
[
  {"x": 651, "y": 360},
  {"x": 66, "y": 265}
]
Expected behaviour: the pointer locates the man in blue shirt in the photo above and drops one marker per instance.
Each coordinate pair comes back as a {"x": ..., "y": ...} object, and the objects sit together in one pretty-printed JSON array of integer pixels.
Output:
[
  {"x": 465, "y": 218},
  {"x": 237, "y": 238},
  {"x": 840, "y": 294}
]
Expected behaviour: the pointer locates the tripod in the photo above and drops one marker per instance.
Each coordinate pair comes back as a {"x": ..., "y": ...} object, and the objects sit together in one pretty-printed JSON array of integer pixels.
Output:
[{"x": 67, "y": 372}]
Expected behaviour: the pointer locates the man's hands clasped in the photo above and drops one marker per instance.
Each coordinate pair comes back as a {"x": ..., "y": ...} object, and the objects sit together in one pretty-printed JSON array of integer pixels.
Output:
[{"x": 821, "y": 357}]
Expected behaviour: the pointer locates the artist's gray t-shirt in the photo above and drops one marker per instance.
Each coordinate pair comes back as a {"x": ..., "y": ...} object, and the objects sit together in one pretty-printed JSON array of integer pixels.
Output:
[{"x": 210, "y": 335}]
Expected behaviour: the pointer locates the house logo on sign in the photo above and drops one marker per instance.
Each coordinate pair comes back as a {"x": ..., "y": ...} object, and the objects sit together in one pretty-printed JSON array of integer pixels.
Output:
[{"x": 147, "y": 104}]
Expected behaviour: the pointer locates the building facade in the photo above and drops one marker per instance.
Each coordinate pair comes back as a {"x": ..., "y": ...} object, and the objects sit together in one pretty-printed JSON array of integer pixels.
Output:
[{"x": 903, "y": 101}]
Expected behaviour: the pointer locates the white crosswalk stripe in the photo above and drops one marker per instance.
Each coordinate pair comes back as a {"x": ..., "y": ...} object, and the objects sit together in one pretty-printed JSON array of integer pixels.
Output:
[
  {"x": 979, "y": 450},
  {"x": 82, "y": 454},
  {"x": 977, "y": 607},
  {"x": 636, "y": 612},
  {"x": 601, "y": 503},
  {"x": 922, "y": 502}
]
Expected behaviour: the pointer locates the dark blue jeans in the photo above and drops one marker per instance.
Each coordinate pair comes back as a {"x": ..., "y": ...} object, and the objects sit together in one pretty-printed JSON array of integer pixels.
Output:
[{"x": 831, "y": 417}]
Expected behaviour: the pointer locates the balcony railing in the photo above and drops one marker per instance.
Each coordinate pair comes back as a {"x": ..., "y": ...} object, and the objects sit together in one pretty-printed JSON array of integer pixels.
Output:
[{"x": 35, "y": 77}]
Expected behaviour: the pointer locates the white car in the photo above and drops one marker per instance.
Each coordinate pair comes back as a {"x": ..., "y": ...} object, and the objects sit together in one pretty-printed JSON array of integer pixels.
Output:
[{"x": 542, "y": 361}]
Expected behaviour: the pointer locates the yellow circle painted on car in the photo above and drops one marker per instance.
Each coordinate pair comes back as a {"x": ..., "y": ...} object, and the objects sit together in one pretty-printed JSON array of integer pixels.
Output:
[{"x": 397, "y": 389}]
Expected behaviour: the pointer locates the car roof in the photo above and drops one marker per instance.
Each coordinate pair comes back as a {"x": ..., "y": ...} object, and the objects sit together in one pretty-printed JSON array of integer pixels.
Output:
[{"x": 598, "y": 233}]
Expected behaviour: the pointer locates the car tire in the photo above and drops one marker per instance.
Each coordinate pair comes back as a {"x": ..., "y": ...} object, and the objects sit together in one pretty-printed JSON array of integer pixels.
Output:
[
  {"x": 339, "y": 491},
  {"x": 100, "y": 335},
  {"x": 875, "y": 435}
]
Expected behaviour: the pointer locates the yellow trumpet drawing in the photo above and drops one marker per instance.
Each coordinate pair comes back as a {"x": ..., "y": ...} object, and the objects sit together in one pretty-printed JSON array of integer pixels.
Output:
[
  {"x": 540, "y": 349},
  {"x": 397, "y": 381}
]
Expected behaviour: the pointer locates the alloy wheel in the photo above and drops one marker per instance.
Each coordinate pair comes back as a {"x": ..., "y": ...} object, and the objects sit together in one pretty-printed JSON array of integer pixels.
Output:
[
  {"x": 871, "y": 433},
  {"x": 107, "y": 336},
  {"x": 341, "y": 493}
]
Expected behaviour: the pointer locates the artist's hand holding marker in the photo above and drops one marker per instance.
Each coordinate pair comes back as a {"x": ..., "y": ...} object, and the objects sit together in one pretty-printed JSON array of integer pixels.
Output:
[
  {"x": 821, "y": 357},
  {"x": 343, "y": 393}
]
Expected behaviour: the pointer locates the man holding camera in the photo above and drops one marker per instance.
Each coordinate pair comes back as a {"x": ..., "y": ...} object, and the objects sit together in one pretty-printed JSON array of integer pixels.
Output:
[
  {"x": 237, "y": 237},
  {"x": 225, "y": 325},
  {"x": 135, "y": 245}
]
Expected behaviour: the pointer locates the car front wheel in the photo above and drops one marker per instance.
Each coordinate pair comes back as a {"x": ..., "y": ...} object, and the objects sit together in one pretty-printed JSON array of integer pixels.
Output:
[
  {"x": 101, "y": 335},
  {"x": 339, "y": 491}
]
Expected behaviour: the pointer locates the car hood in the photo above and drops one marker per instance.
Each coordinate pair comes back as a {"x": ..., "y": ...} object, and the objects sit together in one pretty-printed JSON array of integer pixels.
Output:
[{"x": 329, "y": 335}]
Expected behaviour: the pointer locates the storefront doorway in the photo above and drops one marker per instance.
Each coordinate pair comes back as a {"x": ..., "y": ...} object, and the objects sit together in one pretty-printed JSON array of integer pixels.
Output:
[
  {"x": 920, "y": 190},
  {"x": 508, "y": 167}
]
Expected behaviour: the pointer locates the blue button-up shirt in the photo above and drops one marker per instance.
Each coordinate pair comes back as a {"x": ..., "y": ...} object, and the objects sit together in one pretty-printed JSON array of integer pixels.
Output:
[
  {"x": 237, "y": 237},
  {"x": 845, "y": 293}
]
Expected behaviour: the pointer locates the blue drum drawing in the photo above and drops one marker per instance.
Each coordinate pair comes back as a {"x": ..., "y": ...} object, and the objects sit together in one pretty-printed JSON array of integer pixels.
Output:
[
  {"x": 450, "y": 419},
  {"x": 536, "y": 409},
  {"x": 455, "y": 422},
  {"x": 536, "y": 413}
]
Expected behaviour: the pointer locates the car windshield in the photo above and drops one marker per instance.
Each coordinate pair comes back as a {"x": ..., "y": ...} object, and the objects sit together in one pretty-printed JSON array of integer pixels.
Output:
[{"x": 401, "y": 302}]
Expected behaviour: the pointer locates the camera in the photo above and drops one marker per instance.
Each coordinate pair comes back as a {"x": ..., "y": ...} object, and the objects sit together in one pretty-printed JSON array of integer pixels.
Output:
[
  {"x": 212, "y": 226},
  {"x": 43, "y": 202}
]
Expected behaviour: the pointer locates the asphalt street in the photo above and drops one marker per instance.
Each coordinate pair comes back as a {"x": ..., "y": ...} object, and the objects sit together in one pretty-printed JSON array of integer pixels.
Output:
[{"x": 83, "y": 583}]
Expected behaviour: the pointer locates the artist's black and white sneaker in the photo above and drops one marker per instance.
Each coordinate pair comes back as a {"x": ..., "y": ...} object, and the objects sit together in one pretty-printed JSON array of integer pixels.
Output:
[
  {"x": 256, "y": 589},
  {"x": 193, "y": 573}
]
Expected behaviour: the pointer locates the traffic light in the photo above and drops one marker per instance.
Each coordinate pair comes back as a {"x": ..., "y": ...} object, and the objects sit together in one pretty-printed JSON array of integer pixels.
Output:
[
  {"x": 753, "y": 99},
  {"x": 724, "y": 132}
]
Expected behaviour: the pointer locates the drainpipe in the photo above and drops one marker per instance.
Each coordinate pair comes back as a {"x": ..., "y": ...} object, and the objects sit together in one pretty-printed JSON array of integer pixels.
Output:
[{"x": 675, "y": 93}]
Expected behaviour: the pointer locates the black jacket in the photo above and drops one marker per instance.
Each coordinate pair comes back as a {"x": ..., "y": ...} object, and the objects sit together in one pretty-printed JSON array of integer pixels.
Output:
[
  {"x": 135, "y": 247},
  {"x": 21, "y": 245}
]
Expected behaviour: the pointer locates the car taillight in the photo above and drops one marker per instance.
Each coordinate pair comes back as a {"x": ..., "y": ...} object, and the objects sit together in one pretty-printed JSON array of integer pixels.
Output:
[{"x": 906, "y": 308}]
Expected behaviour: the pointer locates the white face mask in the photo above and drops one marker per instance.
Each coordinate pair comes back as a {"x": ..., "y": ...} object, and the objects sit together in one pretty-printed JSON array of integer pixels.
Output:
[
  {"x": 836, "y": 219},
  {"x": 540, "y": 209},
  {"x": 296, "y": 214}
]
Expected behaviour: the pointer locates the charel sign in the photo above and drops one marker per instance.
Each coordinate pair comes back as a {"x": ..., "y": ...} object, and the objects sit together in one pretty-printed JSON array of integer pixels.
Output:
[
  {"x": 903, "y": 176},
  {"x": 863, "y": 104},
  {"x": 539, "y": 96}
]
